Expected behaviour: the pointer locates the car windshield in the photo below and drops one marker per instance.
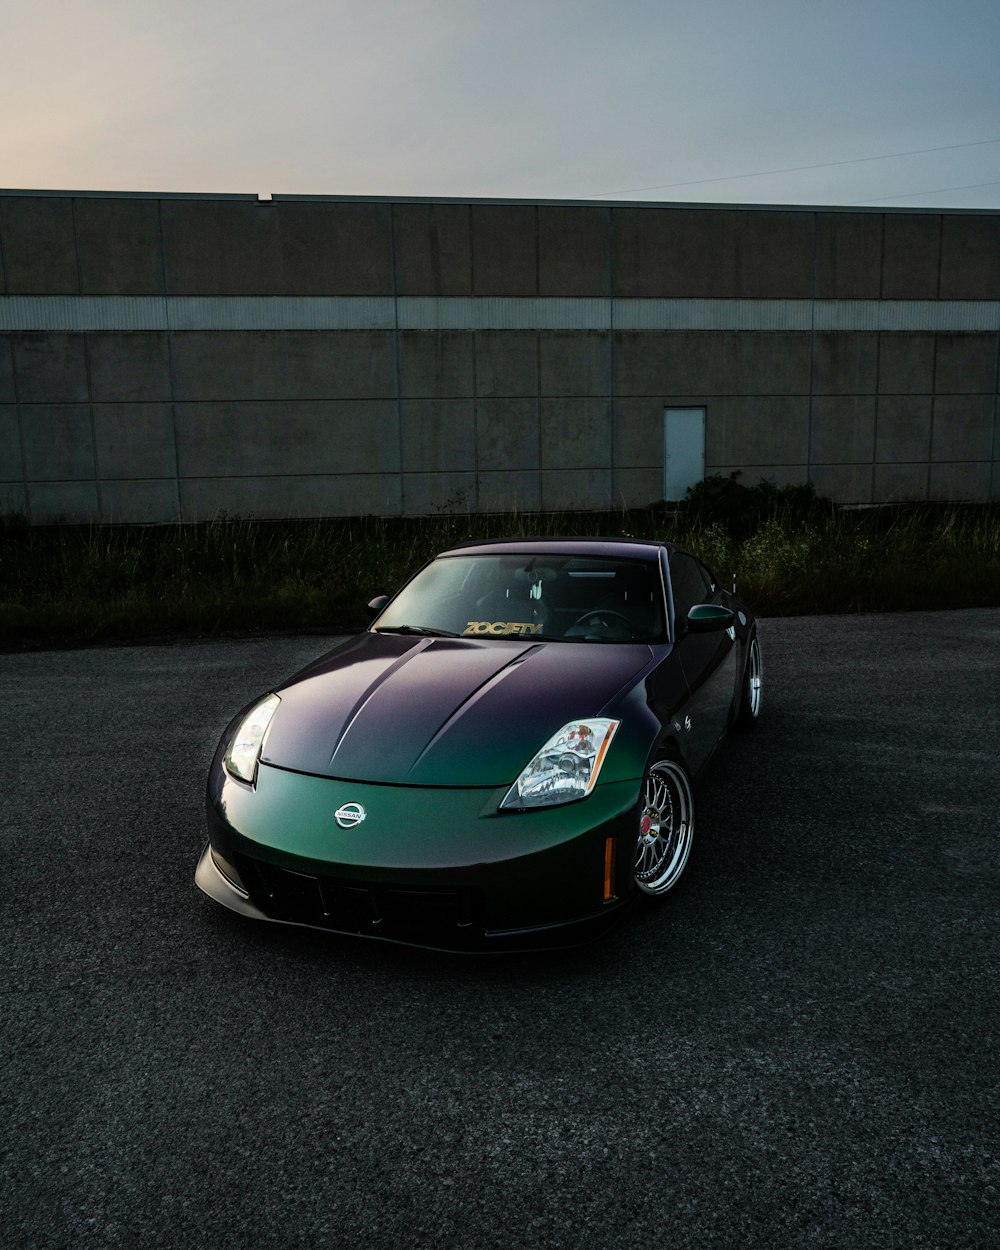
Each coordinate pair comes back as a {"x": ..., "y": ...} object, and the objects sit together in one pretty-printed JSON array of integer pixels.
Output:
[{"x": 576, "y": 598}]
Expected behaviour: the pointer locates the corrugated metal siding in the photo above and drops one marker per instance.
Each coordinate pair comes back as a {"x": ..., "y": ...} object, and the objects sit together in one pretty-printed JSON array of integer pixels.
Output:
[
  {"x": 83, "y": 313},
  {"x": 503, "y": 313},
  {"x": 712, "y": 314},
  {"x": 969, "y": 316},
  {"x": 265, "y": 312}
]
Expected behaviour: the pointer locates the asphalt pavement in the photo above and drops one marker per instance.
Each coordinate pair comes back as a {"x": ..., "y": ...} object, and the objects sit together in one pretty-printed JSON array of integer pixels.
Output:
[{"x": 799, "y": 1049}]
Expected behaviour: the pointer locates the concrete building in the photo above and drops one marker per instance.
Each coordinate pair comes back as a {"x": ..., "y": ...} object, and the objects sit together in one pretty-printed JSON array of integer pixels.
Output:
[{"x": 175, "y": 356}]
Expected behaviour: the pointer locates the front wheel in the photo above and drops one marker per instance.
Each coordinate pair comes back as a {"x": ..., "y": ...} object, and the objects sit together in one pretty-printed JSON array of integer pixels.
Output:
[
  {"x": 666, "y": 828},
  {"x": 752, "y": 693}
]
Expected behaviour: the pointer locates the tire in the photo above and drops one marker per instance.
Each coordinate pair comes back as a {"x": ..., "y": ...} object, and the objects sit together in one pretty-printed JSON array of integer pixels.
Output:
[
  {"x": 666, "y": 828},
  {"x": 752, "y": 692}
]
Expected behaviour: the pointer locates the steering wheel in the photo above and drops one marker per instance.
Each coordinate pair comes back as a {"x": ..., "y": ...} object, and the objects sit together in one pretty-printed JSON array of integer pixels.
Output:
[{"x": 602, "y": 617}]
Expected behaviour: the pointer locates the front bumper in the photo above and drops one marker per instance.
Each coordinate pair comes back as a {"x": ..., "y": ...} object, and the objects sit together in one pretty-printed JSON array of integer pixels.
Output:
[{"x": 429, "y": 867}]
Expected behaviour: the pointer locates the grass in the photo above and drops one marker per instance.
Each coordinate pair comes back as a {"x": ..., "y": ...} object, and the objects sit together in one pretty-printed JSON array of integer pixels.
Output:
[{"x": 790, "y": 553}]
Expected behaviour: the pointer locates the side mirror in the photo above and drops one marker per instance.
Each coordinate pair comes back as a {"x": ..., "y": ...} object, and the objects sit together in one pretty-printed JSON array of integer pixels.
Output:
[
  {"x": 706, "y": 618},
  {"x": 376, "y": 606}
]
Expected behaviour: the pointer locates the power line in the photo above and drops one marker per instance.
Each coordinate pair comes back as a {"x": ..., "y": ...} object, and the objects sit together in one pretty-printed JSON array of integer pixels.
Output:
[
  {"x": 912, "y": 195},
  {"x": 795, "y": 169}
]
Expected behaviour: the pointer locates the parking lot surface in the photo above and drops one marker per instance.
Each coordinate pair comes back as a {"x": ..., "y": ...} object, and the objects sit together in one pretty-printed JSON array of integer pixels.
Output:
[{"x": 798, "y": 1050}]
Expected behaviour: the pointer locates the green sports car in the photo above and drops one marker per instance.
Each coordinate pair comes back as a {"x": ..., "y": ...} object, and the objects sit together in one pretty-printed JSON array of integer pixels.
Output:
[{"x": 502, "y": 761}]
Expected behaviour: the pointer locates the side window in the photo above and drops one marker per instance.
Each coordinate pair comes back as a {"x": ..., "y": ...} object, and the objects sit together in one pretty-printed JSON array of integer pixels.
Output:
[
  {"x": 709, "y": 577},
  {"x": 688, "y": 585}
]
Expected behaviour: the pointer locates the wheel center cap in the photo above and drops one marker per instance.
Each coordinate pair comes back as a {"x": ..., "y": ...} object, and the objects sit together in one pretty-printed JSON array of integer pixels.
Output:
[{"x": 649, "y": 826}]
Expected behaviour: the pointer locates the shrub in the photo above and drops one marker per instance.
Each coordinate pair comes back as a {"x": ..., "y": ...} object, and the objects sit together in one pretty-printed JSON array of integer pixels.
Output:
[{"x": 743, "y": 509}]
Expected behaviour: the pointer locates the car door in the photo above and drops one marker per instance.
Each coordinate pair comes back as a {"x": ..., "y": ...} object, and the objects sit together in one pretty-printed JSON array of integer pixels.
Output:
[{"x": 708, "y": 660}]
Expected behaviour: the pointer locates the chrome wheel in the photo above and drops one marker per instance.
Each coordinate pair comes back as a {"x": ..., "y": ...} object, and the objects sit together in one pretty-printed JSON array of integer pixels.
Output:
[
  {"x": 752, "y": 697},
  {"x": 666, "y": 827}
]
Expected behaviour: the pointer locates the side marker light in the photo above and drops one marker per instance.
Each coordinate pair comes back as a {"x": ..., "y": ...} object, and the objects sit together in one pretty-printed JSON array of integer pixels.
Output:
[{"x": 610, "y": 846}]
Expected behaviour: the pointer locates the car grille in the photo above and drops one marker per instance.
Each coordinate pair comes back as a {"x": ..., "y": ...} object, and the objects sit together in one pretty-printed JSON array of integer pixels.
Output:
[{"x": 421, "y": 916}]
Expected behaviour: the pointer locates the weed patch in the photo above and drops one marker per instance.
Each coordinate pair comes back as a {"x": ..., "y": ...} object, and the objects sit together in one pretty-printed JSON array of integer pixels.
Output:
[{"x": 788, "y": 552}]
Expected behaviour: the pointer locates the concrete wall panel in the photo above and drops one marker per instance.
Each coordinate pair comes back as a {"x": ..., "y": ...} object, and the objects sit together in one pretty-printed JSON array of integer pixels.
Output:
[
  {"x": 900, "y": 483},
  {"x": 118, "y": 243},
  {"x": 712, "y": 253},
  {"x": 138, "y": 501},
  {"x": 13, "y": 498},
  {"x": 135, "y": 441},
  {"x": 433, "y": 249},
  {"x": 39, "y": 246},
  {"x": 509, "y": 491},
  {"x": 62, "y": 503},
  {"x": 767, "y": 364},
  {"x": 848, "y": 256},
  {"x": 504, "y": 249},
  {"x": 707, "y": 363},
  {"x": 845, "y": 364},
  {"x": 432, "y": 494},
  {"x": 574, "y": 251},
  {"x": 279, "y": 365},
  {"x": 903, "y": 429},
  {"x": 438, "y": 436},
  {"x": 214, "y": 247},
  {"x": 637, "y": 488},
  {"x": 847, "y": 483},
  {"x": 963, "y": 427},
  {"x": 354, "y": 494},
  {"x": 507, "y": 434},
  {"x": 58, "y": 442},
  {"x": 843, "y": 430},
  {"x": 436, "y": 363},
  {"x": 575, "y": 434},
  {"x": 50, "y": 368},
  {"x": 758, "y": 431},
  {"x": 575, "y": 362},
  {"x": 966, "y": 364},
  {"x": 911, "y": 256},
  {"x": 638, "y": 433},
  {"x": 11, "y": 467},
  {"x": 576, "y": 489},
  {"x": 287, "y": 438},
  {"x": 506, "y": 363},
  {"x": 7, "y": 392},
  {"x": 960, "y": 481},
  {"x": 774, "y": 255},
  {"x": 674, "y": 252},
  {"x": 661, "y": 363},
  {"x": 906, "y": 364},
  {"x": 130, "y": 367},
  {"x": 970, "y": 257},
  {"x": 336, "y": 249}
]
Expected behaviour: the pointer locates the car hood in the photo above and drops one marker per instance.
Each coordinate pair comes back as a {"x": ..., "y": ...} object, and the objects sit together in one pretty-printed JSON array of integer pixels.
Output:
[{"x": 440, "y": 711}]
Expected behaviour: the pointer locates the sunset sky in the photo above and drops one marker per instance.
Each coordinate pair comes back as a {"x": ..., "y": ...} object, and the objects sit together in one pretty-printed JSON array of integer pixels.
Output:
[{"x": 715, "y": 101}]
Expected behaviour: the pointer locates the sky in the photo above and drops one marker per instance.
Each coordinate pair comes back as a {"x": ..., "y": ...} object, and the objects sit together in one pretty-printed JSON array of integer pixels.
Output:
[{"x": 839, "y": 102}]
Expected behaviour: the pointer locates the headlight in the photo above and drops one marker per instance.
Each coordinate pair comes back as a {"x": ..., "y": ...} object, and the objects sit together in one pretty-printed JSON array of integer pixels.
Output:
[
  {"x": 241, "y": 758},
  {"x": 566, "y": 768}
]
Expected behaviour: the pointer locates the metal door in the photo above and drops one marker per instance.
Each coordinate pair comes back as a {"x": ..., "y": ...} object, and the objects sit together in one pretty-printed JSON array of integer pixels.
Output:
[{"x": 683, "y": 450}]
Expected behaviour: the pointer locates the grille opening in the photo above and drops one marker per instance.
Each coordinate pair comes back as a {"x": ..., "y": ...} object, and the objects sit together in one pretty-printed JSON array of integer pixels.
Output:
[{"x": 361, "y": 907}]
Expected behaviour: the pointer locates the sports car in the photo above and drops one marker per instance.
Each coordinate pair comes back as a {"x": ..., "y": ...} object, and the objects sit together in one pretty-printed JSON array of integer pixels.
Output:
[{"x": 503, "y": 760}]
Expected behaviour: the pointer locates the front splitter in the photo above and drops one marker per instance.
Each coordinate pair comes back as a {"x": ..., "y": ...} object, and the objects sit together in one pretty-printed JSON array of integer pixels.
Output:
[{"x": 565, "y": 934}]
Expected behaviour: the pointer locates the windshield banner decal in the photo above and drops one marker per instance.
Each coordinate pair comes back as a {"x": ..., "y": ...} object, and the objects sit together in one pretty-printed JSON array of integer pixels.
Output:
[{"x": 523, "y": 629}]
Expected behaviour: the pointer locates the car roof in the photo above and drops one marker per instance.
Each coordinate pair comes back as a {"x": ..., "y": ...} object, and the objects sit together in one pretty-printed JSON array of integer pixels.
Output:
[{"x": 620, "y": 548}]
